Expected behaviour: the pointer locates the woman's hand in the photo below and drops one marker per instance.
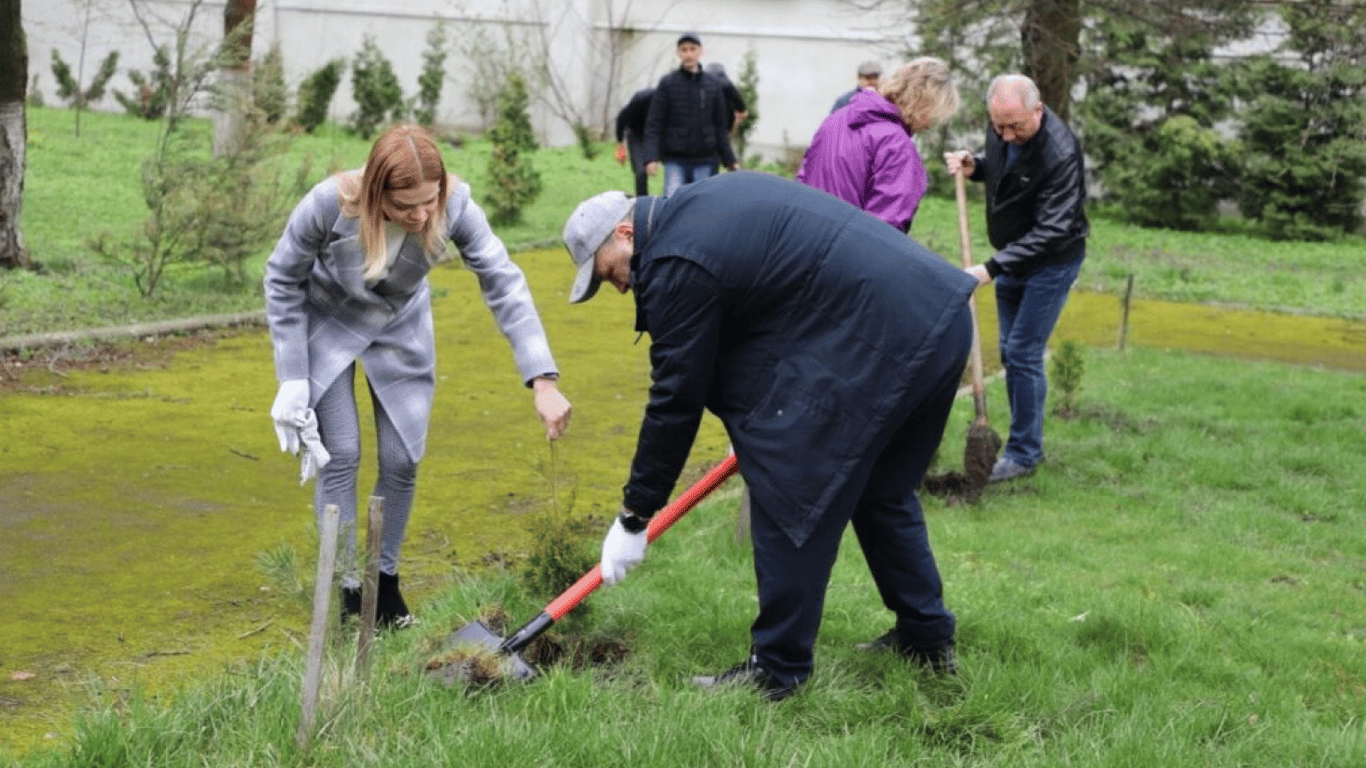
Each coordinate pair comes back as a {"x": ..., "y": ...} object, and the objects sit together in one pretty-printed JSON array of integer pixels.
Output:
[{"x": 551, "y": 406}]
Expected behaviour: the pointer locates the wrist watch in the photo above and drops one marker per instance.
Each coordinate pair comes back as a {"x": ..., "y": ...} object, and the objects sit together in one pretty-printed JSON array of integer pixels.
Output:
[{"x": 632, "y": 522}]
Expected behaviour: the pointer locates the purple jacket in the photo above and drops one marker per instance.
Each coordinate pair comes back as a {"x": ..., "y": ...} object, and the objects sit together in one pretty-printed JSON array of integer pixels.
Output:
[{"x": 864, "y": 155}]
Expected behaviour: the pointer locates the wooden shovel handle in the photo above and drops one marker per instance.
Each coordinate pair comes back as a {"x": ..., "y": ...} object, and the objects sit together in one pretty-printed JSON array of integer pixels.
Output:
[{"x": 979, "y": 398}]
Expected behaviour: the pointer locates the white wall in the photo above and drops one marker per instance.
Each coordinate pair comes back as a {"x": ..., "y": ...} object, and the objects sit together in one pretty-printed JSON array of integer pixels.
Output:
[{"x": 806, "y": 50}]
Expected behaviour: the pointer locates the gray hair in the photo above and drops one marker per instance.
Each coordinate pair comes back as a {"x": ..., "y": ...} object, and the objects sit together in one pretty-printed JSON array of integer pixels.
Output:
[{"x": 1018, "y": 85}]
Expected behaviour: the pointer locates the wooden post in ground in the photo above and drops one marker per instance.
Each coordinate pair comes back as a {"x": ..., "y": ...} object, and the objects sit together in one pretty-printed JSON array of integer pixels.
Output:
[
  {"x": 1124, "y": 317},
  {"x": 369, "y": 591},
  {"x": 322, "y": 610}
]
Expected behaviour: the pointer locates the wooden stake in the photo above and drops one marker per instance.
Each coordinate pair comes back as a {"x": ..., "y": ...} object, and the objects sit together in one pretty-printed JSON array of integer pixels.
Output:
[
  {"x": 1124, "y": 318},
  {"x": 322, "y": 608},
  {"x": 369, "y": 591}
]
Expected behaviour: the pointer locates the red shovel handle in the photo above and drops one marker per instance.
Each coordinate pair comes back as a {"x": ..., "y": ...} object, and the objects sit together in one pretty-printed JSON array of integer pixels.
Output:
[{"x": 570, "y": 598}]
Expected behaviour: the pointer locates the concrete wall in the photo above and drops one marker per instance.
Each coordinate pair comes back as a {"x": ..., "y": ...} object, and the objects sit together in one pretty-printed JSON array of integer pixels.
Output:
[{"x": 601, "y": 50}]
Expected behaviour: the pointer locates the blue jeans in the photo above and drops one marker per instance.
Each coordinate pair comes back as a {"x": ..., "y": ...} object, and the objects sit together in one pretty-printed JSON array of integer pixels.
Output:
[
  {"x": 1028, "y": 308},
  {"x": 680, "y": 172}
]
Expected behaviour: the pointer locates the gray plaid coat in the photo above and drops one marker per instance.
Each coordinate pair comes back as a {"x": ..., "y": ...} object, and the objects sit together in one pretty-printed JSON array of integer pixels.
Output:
[{"x": 323, "y": 317}]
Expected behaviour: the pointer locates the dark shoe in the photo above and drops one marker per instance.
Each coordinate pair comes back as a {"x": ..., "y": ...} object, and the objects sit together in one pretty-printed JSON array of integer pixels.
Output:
[
  {"x": 941, "y": 660},
  {"x": 1005, "y": 469},
  {"x": 391, "y": 611},
  {"x": 350, "y": 604},
  {"x": 751, "y": 674}
]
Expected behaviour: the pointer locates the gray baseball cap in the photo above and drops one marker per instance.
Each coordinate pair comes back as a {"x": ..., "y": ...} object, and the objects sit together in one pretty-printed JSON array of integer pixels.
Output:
[
  {"x": 587, "y": 229},
  {"x": 869, "y": 69}
]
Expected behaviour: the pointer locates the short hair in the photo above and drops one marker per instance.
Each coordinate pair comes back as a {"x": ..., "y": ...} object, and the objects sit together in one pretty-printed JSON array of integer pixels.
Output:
[
  {"x": 922, "y": 87},
  {"x": 1017, "y": 84},
  {"x": 403, "y": 157}
]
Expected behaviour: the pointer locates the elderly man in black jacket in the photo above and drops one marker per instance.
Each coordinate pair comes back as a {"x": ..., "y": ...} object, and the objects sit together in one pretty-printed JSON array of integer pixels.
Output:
[
  {"x": 688, "y": 127},
  {"x": 1036, "y": 193},
  {"x": 830, "y": 345}
]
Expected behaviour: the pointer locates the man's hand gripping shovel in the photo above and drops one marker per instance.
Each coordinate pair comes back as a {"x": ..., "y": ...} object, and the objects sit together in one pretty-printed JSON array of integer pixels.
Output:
[{"x": 477, "y": 636}]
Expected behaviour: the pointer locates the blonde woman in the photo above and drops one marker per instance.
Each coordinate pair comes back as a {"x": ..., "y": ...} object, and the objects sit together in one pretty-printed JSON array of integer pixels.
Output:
[
  {"x": 864, "y": 153},
  {"x": 347, "y": 282}
]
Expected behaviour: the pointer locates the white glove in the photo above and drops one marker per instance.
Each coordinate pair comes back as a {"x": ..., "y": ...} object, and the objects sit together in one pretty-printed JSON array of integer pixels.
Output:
[
  {"x": 621, "y": 551},
  {"x": 287, "y": 412},
  {"x": 316, "y": 456}
]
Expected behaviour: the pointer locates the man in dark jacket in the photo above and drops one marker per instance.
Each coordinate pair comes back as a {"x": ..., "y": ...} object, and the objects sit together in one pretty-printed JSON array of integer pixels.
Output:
[
  {"x": 830, "y": 345},
  {"x": 735, "y": 103},
  {"x": 688, "y": 128},
  {"x": 1036, "y": 192},
  {"x": 631, "y": 136}
]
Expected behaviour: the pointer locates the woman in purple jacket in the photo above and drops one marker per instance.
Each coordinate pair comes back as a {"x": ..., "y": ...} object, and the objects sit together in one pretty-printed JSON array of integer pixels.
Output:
[{"x": 864, "y": 153}]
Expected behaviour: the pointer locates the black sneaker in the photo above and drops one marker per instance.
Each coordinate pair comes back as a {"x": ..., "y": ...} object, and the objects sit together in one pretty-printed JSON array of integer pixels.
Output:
[
  {"x": 941, "y": 660},
  {"x": 391, "y": 612},
  {"x": 748, "y": 673}
]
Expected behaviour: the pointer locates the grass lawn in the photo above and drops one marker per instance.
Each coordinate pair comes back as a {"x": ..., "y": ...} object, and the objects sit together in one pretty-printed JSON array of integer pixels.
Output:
[{"x": 1181, "y": 584}]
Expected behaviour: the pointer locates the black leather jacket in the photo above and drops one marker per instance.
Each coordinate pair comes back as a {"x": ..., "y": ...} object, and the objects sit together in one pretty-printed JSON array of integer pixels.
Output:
[{"x": 1035, "y": 211}]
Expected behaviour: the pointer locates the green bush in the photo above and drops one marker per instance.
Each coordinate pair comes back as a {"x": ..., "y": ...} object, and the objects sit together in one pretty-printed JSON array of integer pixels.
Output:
[
  {"x": 315, "y": 94},
  {"x": 1302, "y": 174},
  {"x": 375, "y": 88},
  {"x": 1186, "y": 170}
]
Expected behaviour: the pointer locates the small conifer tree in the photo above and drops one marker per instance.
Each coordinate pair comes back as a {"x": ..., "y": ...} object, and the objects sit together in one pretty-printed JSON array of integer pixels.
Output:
[
  {"x": 1068, "y": 366},
  {"x": 513, "y": 181},
  {"x": 375, "y": 88},
  {"x": 749, "y": 91},
  {"x": 433, "y": 76},
  {"x": 315, "y": 94}
]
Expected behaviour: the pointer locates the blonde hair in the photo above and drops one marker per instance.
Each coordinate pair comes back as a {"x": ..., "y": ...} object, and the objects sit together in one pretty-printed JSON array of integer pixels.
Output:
[
  {"x": 922, "y": 87},
  {"x": 404, "y": 157}
]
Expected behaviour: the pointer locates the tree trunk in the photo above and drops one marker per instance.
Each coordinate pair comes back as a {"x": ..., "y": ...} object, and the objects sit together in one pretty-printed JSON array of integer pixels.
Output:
[
  {"x": 13, "y": 133},
  {"x": 234, "y": 81},
  {"x": 1050, "y": 42}
]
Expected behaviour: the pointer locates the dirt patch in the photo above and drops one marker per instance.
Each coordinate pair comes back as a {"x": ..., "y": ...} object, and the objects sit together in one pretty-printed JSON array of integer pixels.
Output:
[{"x": 43, "y": 370}]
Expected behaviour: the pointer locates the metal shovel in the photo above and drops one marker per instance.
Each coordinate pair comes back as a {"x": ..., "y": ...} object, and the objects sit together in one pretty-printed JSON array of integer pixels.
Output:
[{"x": 477, "y": 635}]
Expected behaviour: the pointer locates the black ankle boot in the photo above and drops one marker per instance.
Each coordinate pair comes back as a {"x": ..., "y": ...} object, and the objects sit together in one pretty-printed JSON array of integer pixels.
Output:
[
  {"x": 350, "y": 604},
  {"x": 391, "y": 611}
]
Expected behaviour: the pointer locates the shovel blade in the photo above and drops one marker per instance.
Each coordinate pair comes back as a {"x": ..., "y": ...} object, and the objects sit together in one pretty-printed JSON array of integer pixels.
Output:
[{"x": 477, "y": 637}]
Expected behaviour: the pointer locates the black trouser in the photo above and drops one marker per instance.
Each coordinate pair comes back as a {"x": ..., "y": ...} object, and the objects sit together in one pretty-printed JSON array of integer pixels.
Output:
[
  {"x": 890, "y": 525},
  {"x": 635, "y": 147}
]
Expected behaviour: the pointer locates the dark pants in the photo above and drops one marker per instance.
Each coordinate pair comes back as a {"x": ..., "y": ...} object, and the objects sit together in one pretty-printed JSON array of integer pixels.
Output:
[
  {"x": 890, "y": 525},
  {"x": 1027, "y": 310},
  {"x": 635, "y": 148}
]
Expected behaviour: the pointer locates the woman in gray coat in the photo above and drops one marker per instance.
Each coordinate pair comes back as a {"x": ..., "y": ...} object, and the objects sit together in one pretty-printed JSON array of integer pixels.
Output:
[{"x": 347, "y": 282}]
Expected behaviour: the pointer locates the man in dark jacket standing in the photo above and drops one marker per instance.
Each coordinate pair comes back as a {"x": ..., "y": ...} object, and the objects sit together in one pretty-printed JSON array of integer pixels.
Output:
[
  {"x": 688, "y": 129},
  {"x": 830, "y": 345},
  {"x": 631, "y": 136},
  {"x": 1036, "y": 192}
]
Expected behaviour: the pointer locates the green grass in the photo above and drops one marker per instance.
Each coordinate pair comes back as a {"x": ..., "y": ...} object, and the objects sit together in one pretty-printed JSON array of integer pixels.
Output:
[
  {"x": 77, "y": 188},
  {"x": 1181, "y": 584}
]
